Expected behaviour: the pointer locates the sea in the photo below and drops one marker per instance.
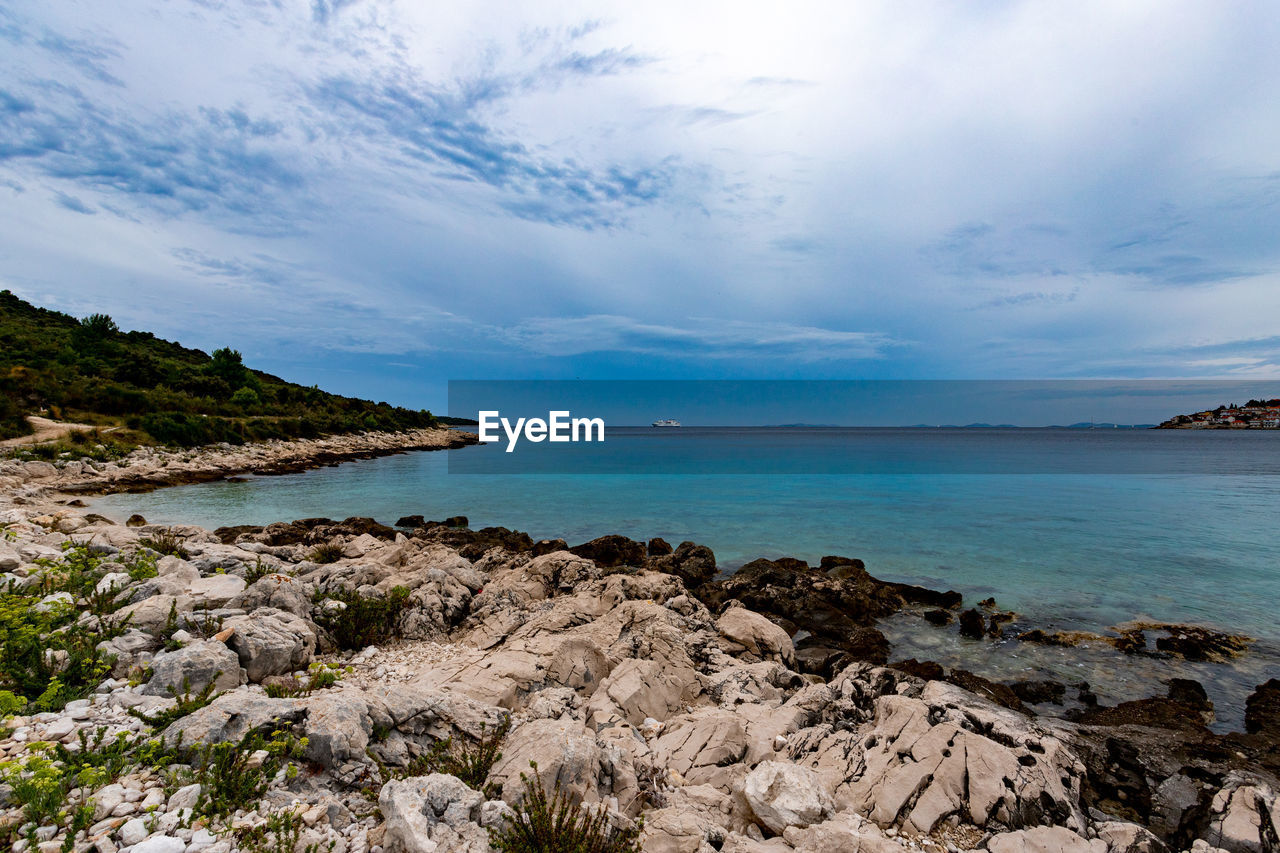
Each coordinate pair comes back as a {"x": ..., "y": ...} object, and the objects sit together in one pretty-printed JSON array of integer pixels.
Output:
[{"x": 1070, "y": 529}]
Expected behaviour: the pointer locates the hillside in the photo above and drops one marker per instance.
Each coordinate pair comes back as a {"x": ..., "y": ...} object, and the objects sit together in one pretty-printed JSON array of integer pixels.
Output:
[{"x": 145, "y": 388}]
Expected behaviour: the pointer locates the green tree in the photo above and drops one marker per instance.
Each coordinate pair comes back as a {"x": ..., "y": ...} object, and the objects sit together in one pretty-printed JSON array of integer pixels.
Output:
[
  {"x": 228, "y": 365},
  {"x": 246, "y": 398}
]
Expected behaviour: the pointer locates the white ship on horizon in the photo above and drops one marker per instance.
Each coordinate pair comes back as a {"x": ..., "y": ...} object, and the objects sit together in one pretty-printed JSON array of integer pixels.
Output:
[{"x": 666, "y": 422}]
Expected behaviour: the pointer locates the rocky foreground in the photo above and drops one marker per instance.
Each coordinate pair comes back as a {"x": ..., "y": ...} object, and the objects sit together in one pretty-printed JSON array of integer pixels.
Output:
[{"x": 254, "y": 714}]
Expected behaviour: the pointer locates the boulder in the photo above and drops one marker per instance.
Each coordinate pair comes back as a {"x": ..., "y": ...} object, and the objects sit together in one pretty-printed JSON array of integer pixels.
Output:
[
  {"x": 1244, "y": 817},
  {"x": 642, "y": 688},
  {"x": 1262, "y": 710},
  {"x": 338, "y": 727},
  {"x": 271, "y": 642},
  {"x": 611, "y": 551},
  {"x": 566, "y": 753},
  {"x": 280, "y": 592},
  {"x": 782, "y": 794},
  {"x": 152, "y": 614},
  {"x": 215, "y": 590},
  {"x": 1123, "y": 837},
  {"x": 747, "y": 631},
  {"x": 232, "y": 716},
  {"x": 972, "y": 625},
  {"x": 192, "y": 668},
  {"x": 659, "y": 547},
  {"x": 432, "y": 814},
  {"x": 1044, "y": 839},
  {"x": 843, "y": 832},
  {"x": 946, "y": 754},
  {"x": 700, "y": 745},
  {"x": 693, "y": 563}
]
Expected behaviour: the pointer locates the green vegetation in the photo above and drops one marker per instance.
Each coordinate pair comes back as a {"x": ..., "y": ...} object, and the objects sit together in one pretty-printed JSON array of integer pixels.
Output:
[
  {"x": 166, "y": 543},
  {"x": 45, "y": 660},
  {"x": 186, "y": 704},
  {"x": 146, "y": 389},
  {"x": 557, "y": 824},
  {"x": 470, "y": 762},
  {"x": 322, "y": 675},
  {"x": 325, "y": 553},
  {"x": 357, "y": 621},
  {"x": 279, "y": 834},
  {"x": 231, "y": 777}
]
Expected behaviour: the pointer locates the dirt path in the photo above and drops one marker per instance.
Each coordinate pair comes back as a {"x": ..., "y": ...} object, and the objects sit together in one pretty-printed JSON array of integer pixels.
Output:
[{"x": 47, "y": 430}]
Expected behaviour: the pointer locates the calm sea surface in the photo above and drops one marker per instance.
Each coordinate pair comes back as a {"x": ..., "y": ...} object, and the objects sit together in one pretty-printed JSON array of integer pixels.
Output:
[{"x": 1056, "y": 536}]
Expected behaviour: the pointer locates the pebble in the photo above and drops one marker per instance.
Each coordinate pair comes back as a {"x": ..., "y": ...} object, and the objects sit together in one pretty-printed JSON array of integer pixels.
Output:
[
  {"x": 133, "y": 831},
  {"x": 160, "y": 844}
]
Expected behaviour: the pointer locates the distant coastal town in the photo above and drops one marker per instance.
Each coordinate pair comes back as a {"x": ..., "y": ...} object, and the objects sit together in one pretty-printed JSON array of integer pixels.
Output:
[{"x": 1255, "y": 414}]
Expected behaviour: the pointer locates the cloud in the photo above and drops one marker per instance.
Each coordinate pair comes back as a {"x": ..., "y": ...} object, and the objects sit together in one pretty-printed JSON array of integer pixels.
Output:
[
  {"x": 73, "y": 203},
  {"x": 566, "y": 336},
  {"x": 444, "y": 128},
  {"x": 174, "y": 162}
]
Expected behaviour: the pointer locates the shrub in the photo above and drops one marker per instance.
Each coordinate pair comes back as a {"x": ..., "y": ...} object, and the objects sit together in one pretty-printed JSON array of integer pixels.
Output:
[
  {"x": 167, "y": 543},
  {"x": 362, "y": 621},
  {"x": 469, "y": 762},
  {"x": 186, "y": 705},
  {"x": 559, "y": 825},
  {"x": 278, "y": 834},
  {"x": 322, "y": 676},
  {"x": 230, "y": 778},
  {"x": 326, "y": 553}
]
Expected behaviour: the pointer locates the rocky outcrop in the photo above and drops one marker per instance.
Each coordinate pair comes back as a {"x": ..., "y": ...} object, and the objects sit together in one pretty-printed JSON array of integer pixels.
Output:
[
  {"x": 739, "y": 714},
  {"x": 271, "y": 642}
]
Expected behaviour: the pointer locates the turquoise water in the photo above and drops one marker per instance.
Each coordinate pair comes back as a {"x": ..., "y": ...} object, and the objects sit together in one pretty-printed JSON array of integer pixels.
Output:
[{"x": 1070, "y": 550}]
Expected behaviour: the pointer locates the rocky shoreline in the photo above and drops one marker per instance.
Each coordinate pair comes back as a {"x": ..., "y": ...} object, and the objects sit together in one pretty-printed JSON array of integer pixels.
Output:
[
  {"x": 753, "y": 712},
  {"x": 149, "y": 468}
]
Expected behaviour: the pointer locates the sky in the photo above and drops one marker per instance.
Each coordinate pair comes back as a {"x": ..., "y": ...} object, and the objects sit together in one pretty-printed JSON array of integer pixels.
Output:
[{"x": 379, "y": 196}]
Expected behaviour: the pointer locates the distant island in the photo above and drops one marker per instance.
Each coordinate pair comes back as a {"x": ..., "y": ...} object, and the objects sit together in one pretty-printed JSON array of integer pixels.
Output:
[{"x": 1255, "y": 414}]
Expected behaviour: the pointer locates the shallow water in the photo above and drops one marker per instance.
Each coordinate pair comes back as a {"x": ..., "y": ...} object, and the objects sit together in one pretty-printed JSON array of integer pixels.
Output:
[{"x": 1073, "y": 550}]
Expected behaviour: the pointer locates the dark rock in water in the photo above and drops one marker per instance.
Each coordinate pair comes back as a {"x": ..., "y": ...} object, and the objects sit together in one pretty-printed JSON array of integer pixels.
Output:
[
  {"x": 1085, "y": 695},
  {"x": 1132, "y": 642},
  {"x": 1189, "y": 692},
  {"x": 937, "y": 617},
  {"x": 549, "y": 546},
  {"x": 817, "y": 659},
  {"x": 987, "y": 602},
  {"x": 457, "y": 521},
  {"x": 94, "y": 518},
  {"x": 823, "y": 657},
  {"x": 76, "y": 502},
  {"x": 1262, "y": 710},
  {"x": 135, "y": 520},
  {"x": 868, "y": 644},
  {"x": 1039, "y": 692},
  {"x": 313, "y": 531},
  {"x": 411, "y": 521},
  {"x": 926, "y": 669},
  {"x": 972, "y": 625},
  {"x": 693, "y": 563},
  {"x": 612, "y": 550},
  {"x": 1202, "y": 644},
  {"x": 659, "y": 547},
  {"x": 843, "y": 568},
  {"x": 473, "y": 544},
  {"x": 996, "y": 620},
  {"x": 229, "y": 535},
  {"x": 359, "y": 525},
  {"x": 998, "y": 693},
  {"x": 1156, "y": 712}
]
